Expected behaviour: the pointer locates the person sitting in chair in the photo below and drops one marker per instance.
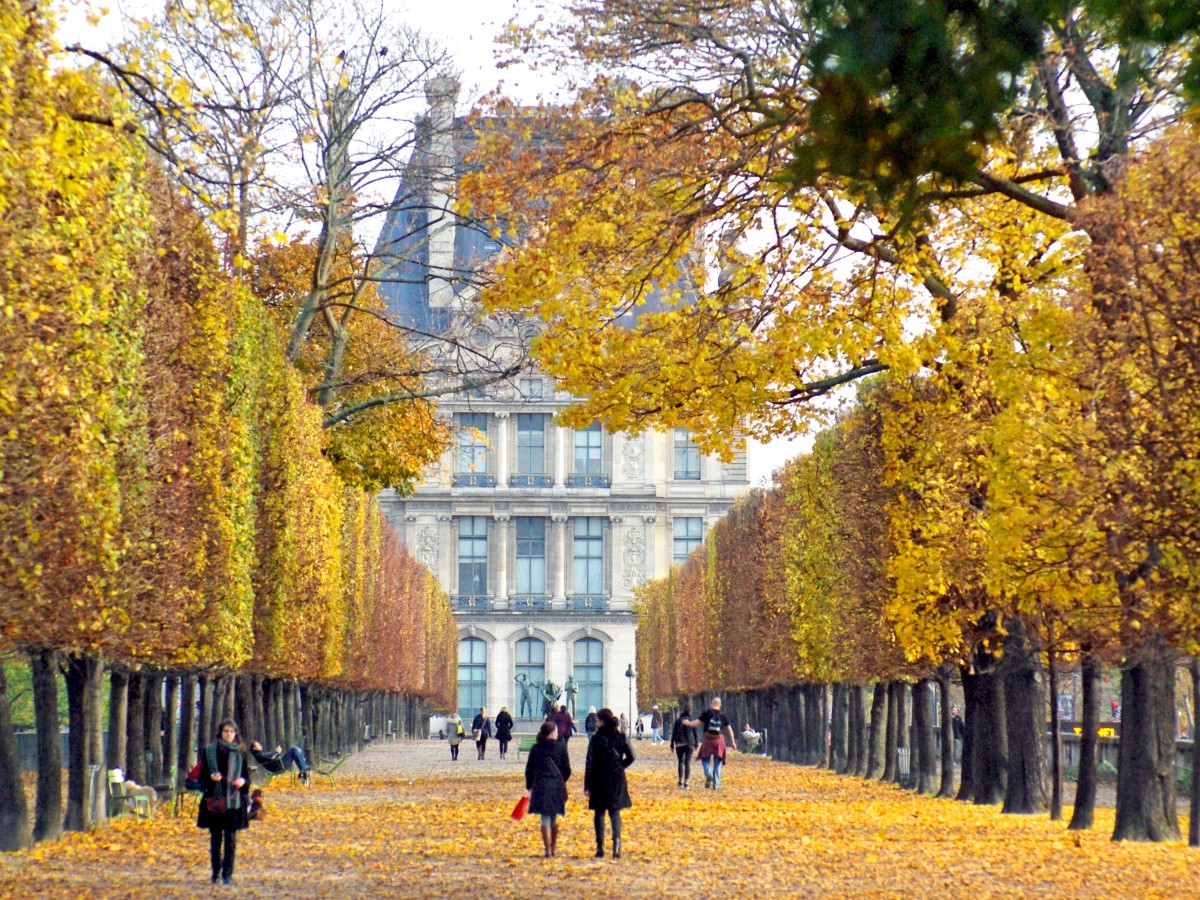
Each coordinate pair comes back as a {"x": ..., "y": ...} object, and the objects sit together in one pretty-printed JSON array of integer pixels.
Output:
[
  {"x": 279, "y": 762},
  {"x": 753, "y": 739}
]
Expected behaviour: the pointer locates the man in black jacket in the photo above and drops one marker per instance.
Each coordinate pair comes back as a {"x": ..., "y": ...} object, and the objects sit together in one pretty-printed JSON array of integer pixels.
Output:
[
  {"x": 279, "y": 762},
  {"x": 684, "y": 742}
]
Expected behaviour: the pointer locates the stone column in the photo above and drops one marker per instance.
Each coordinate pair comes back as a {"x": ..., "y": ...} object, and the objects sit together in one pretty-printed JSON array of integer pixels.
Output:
[
  {"x": 560, "y": 456},
  {"x": 501, "y": 589},
  {"x": 501, "y": 455},
  {"x": 445, "y": 553},
  {"x": 558, "y": 570}
]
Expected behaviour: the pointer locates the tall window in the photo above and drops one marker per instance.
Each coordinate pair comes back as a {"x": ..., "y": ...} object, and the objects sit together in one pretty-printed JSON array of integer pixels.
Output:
[
  {"x": 531, "y": 388},
  {"x": 531, "y": 555},
  {"x": 589, "y": 674},
  {"x": 472, "y": 676},
  {"x": 588, "y": 553},
  {"x": 472, "y": 442},
  {"x": 531, "y": 661},
  {"x": 589, "y": 450},
  {"x": 687, "y": 456},
  {"x": 689, "y": 534},
  {"x": 472, "y": 555},
  {"x": 531, "y": 443}
]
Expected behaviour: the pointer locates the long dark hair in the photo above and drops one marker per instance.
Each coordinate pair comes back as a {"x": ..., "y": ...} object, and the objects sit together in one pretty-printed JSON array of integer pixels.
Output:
[
  {"x": 237, "y": 740},
  {"x": 544, "y": 732},
  {"x": 607, "y": 719}
]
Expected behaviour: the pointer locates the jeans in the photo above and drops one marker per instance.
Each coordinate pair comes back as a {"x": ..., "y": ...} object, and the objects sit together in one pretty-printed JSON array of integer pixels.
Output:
[
  {"x": 656, "y": 736},
  {"x": 712, "y": 770},
  {"x": 294, "y": 755}
]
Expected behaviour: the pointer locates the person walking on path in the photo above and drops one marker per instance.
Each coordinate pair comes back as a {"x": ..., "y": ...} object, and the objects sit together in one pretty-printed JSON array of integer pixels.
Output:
[
  {"x": 683, "y": 742},
  {"x": 713, "y": 748},
  {"x": 224, "y": 778},
  {"x": 565, "y": 724},
  {"x": 504, "y": 724},
  {"x": 957, "y": 726},
  {"x": 454, "y": 733},
  {"x": 481, "y": 730},
  {"x": 624, "y": 724},
  {"x": 604, "y": 784},
  {"x": 656, "y": 725},
  {"x": 547, "y": 769},
  {"x": 591, "y": 723}
]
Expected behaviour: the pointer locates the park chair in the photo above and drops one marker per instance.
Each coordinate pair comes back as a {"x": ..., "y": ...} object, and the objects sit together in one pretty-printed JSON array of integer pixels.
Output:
[
  {"x": 122, "y": 800},
  {"x": 327, "y": 767},
  {"x": 524, "y": 746}
]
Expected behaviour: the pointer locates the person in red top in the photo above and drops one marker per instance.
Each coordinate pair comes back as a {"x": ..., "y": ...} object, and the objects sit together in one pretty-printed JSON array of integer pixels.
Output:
[{"x": 564, "y": 723}]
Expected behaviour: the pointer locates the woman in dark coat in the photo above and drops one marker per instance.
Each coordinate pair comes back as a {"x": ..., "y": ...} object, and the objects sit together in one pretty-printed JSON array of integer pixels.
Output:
[
  {"x": 547, "y": 769},
  {"x": 481, "y": 728},
  {"x": 504, "y": 724},
  {"x": 604, "y": 782},
  {"x": 225, "y": 779}
]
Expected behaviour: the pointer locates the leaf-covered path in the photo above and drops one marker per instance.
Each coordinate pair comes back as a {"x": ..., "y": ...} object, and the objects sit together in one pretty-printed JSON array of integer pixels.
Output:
[{"x": 407, "y": 822}]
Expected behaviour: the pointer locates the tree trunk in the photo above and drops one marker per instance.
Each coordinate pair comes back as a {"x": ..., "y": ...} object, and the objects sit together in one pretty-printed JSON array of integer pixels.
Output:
[
  {"x": 877, "y": 745},
  {"x": 1056, "y": 776},
  {"x": 902, "y": 743},
  {"x": 1024, "y": 715},
  {"x": 118, "y": 715},
  {"x": 1146, "y": 768},
  {"x": 991, "y": 740},
  {"x": 248, "y": 724},
  {"x": 1194, "y": 807},
  {"x": 93, "y": 715},
  {"x": 966, "y": 783},
  {"x": 14, "y": 811},
  {"x": 77, "y": 818},
  {"x": 1085, "y": 789},
  {"x": 170, "y": 766},
  {"x": 48, "y": 813},
  {"x": 206, "y": 726},
  {"x": 189, "y": 718},
  {"x": 840, "y": 754},
  {"x": 854, "y": 727},
  {"x": 923, "y": 718},
  {"x": 135, "y": 729},
  {"x": 946, "y": 788},
  {"x": 154, "y": 727},
  {"x": 889, "y": 760}
]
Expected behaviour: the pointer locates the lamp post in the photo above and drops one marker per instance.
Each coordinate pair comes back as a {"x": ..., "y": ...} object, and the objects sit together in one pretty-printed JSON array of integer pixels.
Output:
[{"x": 629, "y": 674}]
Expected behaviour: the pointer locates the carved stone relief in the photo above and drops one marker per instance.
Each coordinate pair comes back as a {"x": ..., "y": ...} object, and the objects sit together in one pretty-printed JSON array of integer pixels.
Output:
[
  {"x": 427, "y": 546},
  {"x": 633, "y": 558},
  {"x": 632, "y": 456}
]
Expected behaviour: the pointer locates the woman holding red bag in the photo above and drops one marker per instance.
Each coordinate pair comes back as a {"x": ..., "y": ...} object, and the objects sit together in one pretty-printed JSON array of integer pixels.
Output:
[
  {"x": 547, "y": 769},
  {"x": 225, "y": 779}
]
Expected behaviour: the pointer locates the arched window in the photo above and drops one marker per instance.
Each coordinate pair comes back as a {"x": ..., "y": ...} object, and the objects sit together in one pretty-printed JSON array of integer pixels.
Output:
[
  {"x": 472, "y": 676},
  {"x": 589, "y": 674},
  {"x": 530, "y": 661}
]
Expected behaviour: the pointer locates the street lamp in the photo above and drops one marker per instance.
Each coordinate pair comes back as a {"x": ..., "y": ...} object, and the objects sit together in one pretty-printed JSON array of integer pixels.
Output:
[{"x": 629, "y": 674}]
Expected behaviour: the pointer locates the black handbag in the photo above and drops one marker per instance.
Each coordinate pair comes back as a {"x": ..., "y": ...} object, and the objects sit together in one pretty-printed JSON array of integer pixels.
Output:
[{"x": 216, "y": 805}]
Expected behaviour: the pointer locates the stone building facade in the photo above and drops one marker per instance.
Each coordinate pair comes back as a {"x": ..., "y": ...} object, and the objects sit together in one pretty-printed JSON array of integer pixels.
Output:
[{"x": 539, "y": 533}]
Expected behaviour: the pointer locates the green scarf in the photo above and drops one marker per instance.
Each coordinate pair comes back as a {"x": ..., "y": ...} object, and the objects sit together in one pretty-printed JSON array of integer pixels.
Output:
[{"x": 233, "y": 796}]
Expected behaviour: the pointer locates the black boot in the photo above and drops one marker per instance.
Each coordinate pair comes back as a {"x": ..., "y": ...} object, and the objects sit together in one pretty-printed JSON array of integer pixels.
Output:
[{"x": 616, "y": 848}]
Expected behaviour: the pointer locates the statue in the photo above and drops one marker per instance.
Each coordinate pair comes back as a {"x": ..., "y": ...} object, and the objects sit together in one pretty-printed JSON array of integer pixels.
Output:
[
  {"x": 528, "y": 691},
  {"x": 550, "y": 692},
  {"x": 572, "y": 690}
]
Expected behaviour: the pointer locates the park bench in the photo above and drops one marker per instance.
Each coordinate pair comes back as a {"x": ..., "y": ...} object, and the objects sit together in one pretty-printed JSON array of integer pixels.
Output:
[
  {"x": 327, "y": 767},
  {"x": 524, "y": 746},
  {"x": 122, "y": 800}
]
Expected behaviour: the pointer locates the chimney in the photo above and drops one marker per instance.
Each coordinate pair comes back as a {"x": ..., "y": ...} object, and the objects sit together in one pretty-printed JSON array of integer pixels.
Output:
[{"x": 441, "y": 93}]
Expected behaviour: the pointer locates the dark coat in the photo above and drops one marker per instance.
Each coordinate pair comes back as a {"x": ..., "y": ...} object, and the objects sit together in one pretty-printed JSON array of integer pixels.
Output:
[
  {"x": 504, "y": 724},
  {"x": 482, "y": 725},
  {"x": 547, "y": 769},
  {"x": 231, "y": 819},
  {"x": 682, "y": 735},
  {"x": 608, "y": 757}
]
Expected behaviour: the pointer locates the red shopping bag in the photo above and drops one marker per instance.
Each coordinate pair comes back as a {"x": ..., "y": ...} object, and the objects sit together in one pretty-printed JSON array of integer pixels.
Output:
[{"x": 520, "y": 809}]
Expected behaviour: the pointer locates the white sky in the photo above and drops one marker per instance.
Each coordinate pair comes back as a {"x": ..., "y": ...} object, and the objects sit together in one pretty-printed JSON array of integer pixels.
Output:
[{"x": 467, "y": 28}]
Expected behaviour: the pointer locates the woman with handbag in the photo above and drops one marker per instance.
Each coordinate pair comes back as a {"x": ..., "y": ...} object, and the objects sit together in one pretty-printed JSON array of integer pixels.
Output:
[
  {"x": 225, "y": 780},
  {"x": 547, "y": 769},
  {"x": 454, "y": 733},
  {"x": 604, "y": 783},
  {"x": 481, "y": 730}
]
